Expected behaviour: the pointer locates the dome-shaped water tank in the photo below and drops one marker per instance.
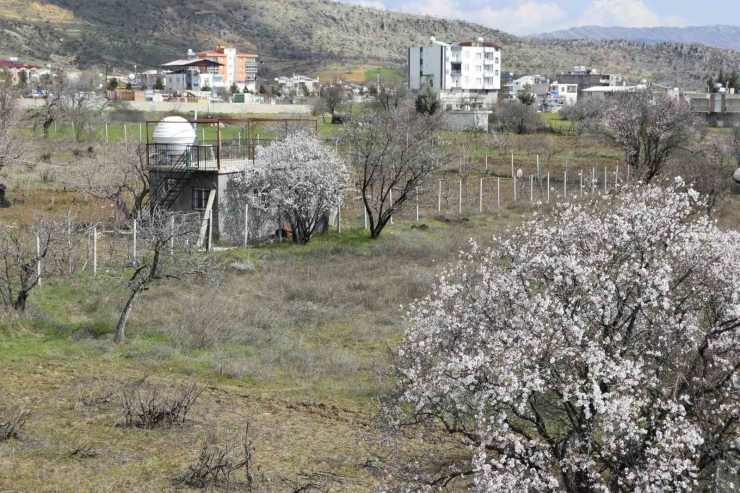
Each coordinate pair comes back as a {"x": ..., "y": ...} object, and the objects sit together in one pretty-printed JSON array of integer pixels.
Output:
[{"x": 174, "y": 130}]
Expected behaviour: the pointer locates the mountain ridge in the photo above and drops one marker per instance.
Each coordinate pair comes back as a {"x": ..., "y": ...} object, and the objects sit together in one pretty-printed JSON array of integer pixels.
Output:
[
  {"x": 311, "y": 35},
  {"x": 718, "y": 36}
]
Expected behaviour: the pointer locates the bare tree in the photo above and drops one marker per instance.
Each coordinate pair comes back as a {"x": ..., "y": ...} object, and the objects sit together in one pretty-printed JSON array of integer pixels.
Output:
[
  {"x": 116, "y": 173},
  {"x": 390, "y": 96},
  {"x": 10, "y": 120},
  {"x": 580, "y": 113},
  {"x": 21, "y": 251},
  {"x": 392, "y": 153},
  {"x": 52, "y": 87},
  {"x": 169, "y": 240},
  {"x": 516, "y": 117},
  {"x": 332, "y": 98},
  {"x": 649, "y": 126}
]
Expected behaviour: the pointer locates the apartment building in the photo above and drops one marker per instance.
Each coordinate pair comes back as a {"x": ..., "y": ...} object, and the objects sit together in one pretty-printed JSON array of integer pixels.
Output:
[
  {"x": 14, "y": 68},
  {"x": 297, "y": 83},
  {"x": 465, "y": 74},
  {"x": 189, "y": 74},
  {"x": 234, "y": 68},
  {"x": 563, "y": 94},
  {"x": 587, "y": 78}
]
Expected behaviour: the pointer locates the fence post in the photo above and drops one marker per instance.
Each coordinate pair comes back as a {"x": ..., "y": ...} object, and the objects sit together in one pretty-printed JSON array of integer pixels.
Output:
[
  {"x": 364, "y": 217},
  {"x": 55, "y": 130},
  {"x": 339, "y": 219},
  {"x": 628, "y": 173},
  {"x": 512, "y": 164},
  {"x": 605, "y": 178},
  {"x": 439, "y": 197},
  {"x": 125, "y": 136},
  {"x": 593, "y": 181},
  {"x": 417, "y": 204},
  {"x": 106, "y": 133},
  {"x": 480, "y": 196},
  {"x": 548, "y": 187},
  {"x": 210, "y": 230},
  {"x": 459, "y": 198},
  {"x": 73, "y": 132},
  {"x": 390, "y": 194},
  {"x": 38, "y": 260},
  {"x": 538, "y": 169},
  {"x": 246, "y": 225},
  {"x": 95, "y": 250},
  {"x": 514, "y": 181},
  {"x": 498, "y": 193},
  {"x": 616, "y": 174},
  {"x": 203, "y": 134},
  {"x": 565, "y": 184},
  {"x": 134, "y": 249},
  {"x": 531, "y": 189},
  {"x": 486, "y": 160},
  {"x": 580, "y": 190},
  {"x": 139, "y": 132}
]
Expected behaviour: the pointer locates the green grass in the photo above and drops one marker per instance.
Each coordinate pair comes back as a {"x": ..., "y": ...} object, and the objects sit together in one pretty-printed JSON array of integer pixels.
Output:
[{"x": 386, "y": 74}]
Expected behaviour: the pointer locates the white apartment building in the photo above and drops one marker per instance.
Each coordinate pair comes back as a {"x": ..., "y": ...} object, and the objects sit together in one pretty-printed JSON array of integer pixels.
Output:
[
  {"x": 564, "y": 94},
  {"x": 466, "y": 75}
]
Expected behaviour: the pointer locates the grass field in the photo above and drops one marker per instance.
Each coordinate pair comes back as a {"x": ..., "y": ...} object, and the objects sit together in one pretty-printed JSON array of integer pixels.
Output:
[{"x": 293, "y": 340}]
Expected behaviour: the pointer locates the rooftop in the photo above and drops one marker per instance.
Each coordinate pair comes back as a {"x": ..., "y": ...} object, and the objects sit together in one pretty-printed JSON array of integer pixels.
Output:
[{"x": 198, "y": 62}]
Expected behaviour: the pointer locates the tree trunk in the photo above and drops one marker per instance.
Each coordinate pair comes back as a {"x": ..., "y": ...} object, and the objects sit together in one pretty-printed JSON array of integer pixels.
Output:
[
  {"x": 120, "y": 336},
  {"x": 20, "y": 301}
]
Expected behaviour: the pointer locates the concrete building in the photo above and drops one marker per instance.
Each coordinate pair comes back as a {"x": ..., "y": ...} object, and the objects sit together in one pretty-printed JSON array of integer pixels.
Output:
[
  {"x": 189, "y": 74},
  {"x": 719, "y": 109},
  {"x": 297, "y": 83},
  {"x": 465, "y": 75},
  {"x": 14, "y": 68},
  {"x": 233, "y": 68},
  {"x": 587, "y": 78},
  {"x": 563, "y": 94},
  {"x": 527, "y": 82}
]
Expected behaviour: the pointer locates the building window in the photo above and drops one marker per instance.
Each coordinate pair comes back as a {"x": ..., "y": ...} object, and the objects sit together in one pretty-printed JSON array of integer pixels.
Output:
[
  {"x": 495, "y": 73},
  {"x": 467, "y": 79},
  {"x": 477, "y": 56},
  {"x": 496, "y": 60},
  {"x": 477, "y": 68},
  {"x": 467, "y": 67},
  {"x": 477, "y": 81},
  {"x": 200, "y": 198},
  {"x": 467, "y": 54}
]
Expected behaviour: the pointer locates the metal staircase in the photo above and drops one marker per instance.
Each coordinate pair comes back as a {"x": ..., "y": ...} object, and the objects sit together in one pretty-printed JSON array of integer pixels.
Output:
[{"x": 171, "y": 182}]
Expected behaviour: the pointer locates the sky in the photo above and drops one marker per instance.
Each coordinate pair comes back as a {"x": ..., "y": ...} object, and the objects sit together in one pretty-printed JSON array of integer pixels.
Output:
[{"x": 523, "y": 17}]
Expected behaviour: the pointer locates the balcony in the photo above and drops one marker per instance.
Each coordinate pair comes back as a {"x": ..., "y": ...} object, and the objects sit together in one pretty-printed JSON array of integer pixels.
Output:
[{"x": 456, "y": 72}]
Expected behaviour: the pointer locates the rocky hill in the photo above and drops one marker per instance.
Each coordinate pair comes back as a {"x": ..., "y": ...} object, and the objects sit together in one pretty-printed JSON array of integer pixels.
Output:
[
  {"x": 309, "y": 35},
  {"x": 717, "y": 36}
]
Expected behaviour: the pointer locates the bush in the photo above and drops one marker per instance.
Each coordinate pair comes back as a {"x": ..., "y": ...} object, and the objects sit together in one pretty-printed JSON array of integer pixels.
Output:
[
  {"x": 147, "y": 405},
  {"x": 13, "y": 421}
]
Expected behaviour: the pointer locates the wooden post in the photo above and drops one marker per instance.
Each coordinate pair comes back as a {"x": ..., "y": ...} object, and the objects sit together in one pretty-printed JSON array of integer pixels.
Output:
[
  {"x": 616, "y": 174},
  {"x": 364, "y": 210},
  {"x": 95, "y": 250},
  {"x": 605, "y": 190},
  {"x": 246, "y": 225},
  {"x": 514, "y": 189},
  {"x": 593, "y": 180},
  {"x": 480, "y": 196},
  {"x": 38, "y": 260},
  {"x": 134, "y": 249},
  {"x": 486, "y": 160},
  {"x": 125, "y": 135},
  {"x": 210, "y": 230},
  {"x": 439, "y": 197},
  {"x": 139, "y": 132},
  {"x": 512, "y": 164},
  {"x": 580, "y": 190},
  {"x": 628, "y": 172},
  {"x": 106, "y": 133},
  {"x": 565, "y": 184},
  {"x": 202, "y": 134},
  {"x": 498, "y": 193},
  {"x": 548, "y": 187},
  {"x": 459, "y": 198}
]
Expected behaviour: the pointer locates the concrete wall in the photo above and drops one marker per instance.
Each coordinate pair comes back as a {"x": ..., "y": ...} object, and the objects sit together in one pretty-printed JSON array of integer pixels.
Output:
[{"x": 232, "y": 108}]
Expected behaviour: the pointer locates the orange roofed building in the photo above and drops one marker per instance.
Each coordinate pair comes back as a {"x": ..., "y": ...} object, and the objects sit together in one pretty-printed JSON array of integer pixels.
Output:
[{"x": 236, "y": 68}]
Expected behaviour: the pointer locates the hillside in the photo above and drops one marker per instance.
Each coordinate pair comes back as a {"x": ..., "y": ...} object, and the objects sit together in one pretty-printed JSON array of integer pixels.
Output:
[
  {"x": 310, "y": 36},
  {"x": 717, "y": 36}
]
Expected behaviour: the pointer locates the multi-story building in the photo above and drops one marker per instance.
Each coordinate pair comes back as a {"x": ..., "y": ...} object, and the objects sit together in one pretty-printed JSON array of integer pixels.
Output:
[
  {"x": 297, "y": 83},
  {"x": 563, "y": 94},
  {"x": 234, "y": 68},
  {"x": 14, "y": 68},
  {"x": 466, "y": 75},
  {"x": 587, "y": 78},
  {"x": 188, "y": 75}
]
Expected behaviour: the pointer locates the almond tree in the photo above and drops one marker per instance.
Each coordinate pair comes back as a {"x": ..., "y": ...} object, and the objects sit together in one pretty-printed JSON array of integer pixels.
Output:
[
  {"x": 596, "y": 350},
  {"x": 167, "y": 239},
  {"x": 392, "y": 153},
  {"x": 650, "y": 126},
  {"x": 10, "y": 123},
  {"x": 297, "y": 181}
]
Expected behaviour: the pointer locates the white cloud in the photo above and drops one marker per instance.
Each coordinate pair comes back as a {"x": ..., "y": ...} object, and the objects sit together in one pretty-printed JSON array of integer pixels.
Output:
[
  {"x": 521, "y": 17},
  {"x": 625, "y": 13}
]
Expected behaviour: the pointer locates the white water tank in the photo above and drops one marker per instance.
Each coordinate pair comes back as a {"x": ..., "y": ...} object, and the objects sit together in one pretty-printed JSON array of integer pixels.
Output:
[{"x": 174, "y": 130}]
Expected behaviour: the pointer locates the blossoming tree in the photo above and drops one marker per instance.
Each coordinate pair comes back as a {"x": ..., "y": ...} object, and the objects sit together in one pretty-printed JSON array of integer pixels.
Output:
[
  {"x": 649, "y": 126},
  {"x": 594, "y": 350},
  {"x": 298, "y": 181}
]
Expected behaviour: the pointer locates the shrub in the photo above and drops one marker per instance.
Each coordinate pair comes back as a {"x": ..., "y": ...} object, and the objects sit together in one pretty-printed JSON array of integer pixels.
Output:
[{"x": 147, "y": 405}]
